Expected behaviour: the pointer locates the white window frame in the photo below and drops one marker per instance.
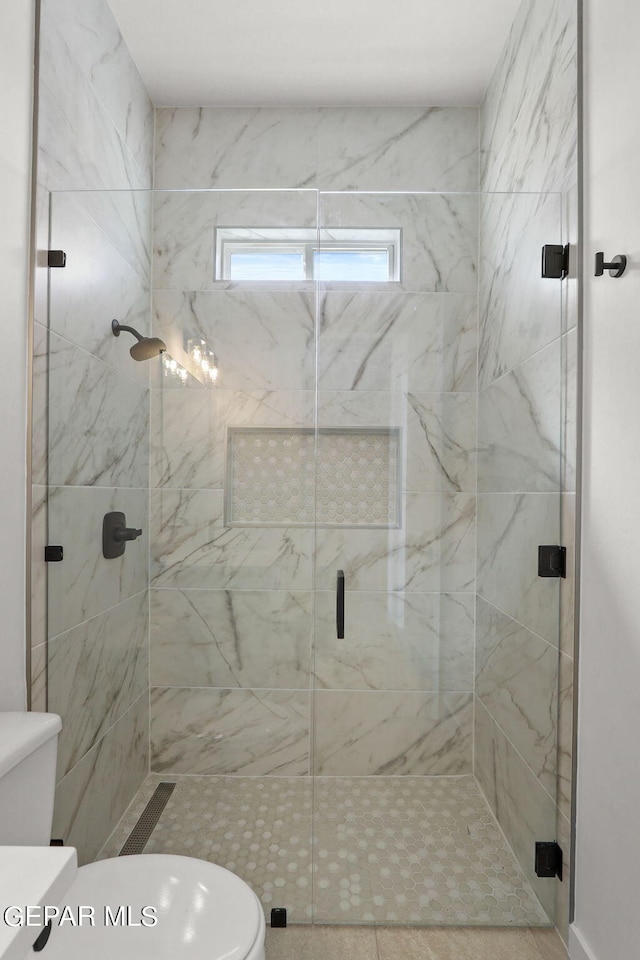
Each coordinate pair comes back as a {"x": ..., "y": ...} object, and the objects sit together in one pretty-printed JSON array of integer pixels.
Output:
[{"x": 306, "y": 241}]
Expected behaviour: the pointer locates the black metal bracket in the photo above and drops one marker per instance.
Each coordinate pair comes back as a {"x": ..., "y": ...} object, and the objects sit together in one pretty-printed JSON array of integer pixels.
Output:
[
  {"x": 56, "y": 258},
  {"x": 279, "y": 917},
  {"x": 115, "y": 534},
  {"x": 552, "y": 561},
  {"x": 53, "y": 553},
  {"x": 616, "y": 267},
  {"x": 555, "y": 261},
  {"x": 548, "y": 861}
]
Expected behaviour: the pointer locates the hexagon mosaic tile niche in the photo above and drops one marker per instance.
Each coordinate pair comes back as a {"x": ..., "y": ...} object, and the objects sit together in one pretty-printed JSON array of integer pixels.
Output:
[{"x": 276, "y": 477}]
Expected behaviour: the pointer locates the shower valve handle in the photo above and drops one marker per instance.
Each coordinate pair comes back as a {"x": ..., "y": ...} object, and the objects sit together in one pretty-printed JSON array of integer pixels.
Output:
[
  {"x": 126, "y": 533},
  {"x": 115, "y": 534}
]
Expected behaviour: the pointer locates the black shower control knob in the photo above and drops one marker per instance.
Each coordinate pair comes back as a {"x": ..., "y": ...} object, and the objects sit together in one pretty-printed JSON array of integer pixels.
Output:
[{"x": 120, "y": 534}]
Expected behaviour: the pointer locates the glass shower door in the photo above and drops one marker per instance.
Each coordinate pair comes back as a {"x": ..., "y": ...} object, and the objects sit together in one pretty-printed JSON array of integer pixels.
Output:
[{"x": 438, "y": 474}]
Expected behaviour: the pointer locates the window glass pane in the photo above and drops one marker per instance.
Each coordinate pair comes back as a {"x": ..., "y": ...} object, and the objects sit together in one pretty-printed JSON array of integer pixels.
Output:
[
  {"x": 351, "y": 265},
  {"x": 266, "y": 266}
]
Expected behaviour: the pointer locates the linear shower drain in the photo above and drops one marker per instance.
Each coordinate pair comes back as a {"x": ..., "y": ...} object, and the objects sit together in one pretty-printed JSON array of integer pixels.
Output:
[{"x": 137, "y": 839}]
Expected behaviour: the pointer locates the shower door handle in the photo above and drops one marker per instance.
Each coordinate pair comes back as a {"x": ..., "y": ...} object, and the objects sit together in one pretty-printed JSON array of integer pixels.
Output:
[{"x": 340, "y": 605}]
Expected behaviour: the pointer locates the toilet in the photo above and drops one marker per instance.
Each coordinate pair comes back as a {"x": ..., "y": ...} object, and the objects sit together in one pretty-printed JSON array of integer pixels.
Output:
[{"x": 202, "y": 911}]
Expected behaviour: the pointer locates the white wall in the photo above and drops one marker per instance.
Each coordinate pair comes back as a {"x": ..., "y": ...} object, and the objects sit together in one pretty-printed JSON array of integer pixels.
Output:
[
  {"x": 16, "y": 85},
  {"x": 607, "y": 920}
]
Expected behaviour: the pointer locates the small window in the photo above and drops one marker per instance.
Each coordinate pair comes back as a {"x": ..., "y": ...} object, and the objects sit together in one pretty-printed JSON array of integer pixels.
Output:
[{"x": 280, "y": 254}]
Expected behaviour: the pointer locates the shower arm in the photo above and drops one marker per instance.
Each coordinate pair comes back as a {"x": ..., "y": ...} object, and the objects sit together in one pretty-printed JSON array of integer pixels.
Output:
[{"x": 117, "y": 327}]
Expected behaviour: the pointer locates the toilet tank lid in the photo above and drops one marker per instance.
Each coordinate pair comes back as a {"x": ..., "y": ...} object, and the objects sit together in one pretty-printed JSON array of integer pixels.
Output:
[{"x": 22, "y": 733}]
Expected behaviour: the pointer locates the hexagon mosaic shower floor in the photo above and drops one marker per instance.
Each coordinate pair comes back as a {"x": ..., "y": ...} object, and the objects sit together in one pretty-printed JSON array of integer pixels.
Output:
[{"x": 379, "y": 849}]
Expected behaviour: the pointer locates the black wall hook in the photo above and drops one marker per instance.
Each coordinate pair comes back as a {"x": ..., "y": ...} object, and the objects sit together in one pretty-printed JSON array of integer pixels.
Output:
[{"x": 616, "y": 267}]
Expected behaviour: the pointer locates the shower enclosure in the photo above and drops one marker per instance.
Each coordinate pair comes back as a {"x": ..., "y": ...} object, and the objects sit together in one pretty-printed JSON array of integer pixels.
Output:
[{"x": 343, "y": 467}]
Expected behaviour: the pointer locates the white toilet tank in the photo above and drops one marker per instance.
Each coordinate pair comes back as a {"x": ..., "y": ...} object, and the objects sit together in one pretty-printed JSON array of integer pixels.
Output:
[{"x": 28, "y": 748}]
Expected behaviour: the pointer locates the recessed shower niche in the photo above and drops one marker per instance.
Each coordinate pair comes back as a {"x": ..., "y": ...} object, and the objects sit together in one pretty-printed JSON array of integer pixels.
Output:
[{"x": 271, "y": 477}]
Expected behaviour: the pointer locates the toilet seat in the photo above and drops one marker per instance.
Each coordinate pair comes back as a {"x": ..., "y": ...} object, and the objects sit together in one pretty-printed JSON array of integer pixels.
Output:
[{"x": 204, "y": 912}]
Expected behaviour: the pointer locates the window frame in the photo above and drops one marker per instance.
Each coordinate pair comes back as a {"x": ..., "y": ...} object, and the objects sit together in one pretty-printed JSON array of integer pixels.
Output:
[{"x": 306, "y": 241}]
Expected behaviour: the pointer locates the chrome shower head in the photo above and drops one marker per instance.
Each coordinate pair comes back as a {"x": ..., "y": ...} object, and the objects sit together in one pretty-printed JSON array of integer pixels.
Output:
[{"x": 145, "y": 348}]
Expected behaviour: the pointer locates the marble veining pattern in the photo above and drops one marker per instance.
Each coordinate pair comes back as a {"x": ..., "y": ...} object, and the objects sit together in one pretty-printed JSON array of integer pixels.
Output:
[
  {"x": 96, "y": 671},
  {"x": 192, "y": 548},
  {"x": 397, "y": 341},
  {"x": 225, "y": 638},
  {"x": 510, "y": 528},
  {"x": 395, "y": 641},
  {"x": 529, "y": 115},
  {"x": 523, "y": 808},
  {"x": 362, "y": 733},
  {"x": 370, "y": 850},
  {"x": 333, "y": 148},
  {"x": 91, "y": 798},
  {"x": 517, "y": 681},
  {"x": 519, "y": 427},
  {"x": 98, "y": 422},
  {"x": 519, "y": 311},
  {"x": 86, "y": 584},
  {"x": 434, "y": 550},
  {"x": 243, "y": 732}
]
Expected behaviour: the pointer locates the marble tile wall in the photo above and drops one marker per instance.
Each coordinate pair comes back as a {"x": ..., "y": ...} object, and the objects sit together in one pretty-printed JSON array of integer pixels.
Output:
[
  {"x": 526, "y": 437},
  {"x": 91, "y": 414},
  {"x": 234, "y": 610}
]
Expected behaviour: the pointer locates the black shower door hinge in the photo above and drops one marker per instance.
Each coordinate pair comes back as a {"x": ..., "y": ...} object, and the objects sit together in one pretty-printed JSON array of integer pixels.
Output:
[
  {"x": 552, "y": 561},
  {"x": 279, "y": 917},
  {"x": 53, "y": 554},
  {"x": 555, "y": 261},
  {"x": 56, "y": 258},
  {"x": 548, "y": 860}
]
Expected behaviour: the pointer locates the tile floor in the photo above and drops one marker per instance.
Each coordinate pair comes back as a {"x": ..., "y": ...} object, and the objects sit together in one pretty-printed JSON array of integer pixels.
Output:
[{"x": 386, "y": 849}]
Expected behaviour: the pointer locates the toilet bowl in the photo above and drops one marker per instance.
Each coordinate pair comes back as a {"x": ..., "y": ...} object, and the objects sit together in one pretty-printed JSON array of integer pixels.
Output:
[{"x": 202, "y": 911}]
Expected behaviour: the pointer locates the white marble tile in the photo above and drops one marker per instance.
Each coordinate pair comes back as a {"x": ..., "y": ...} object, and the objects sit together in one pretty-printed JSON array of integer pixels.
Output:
[
  {"x": 398, "y": 148},
  {"x": 96, "y": 285},
  {"x": 39, "y": 678},
  {"x": 93, "y": 796},
  {"x": 395, "y": 641},
  {"x": 243, "y": 732},
  {"x": 567, "y": 585},
  {"x": 569, "y": 411},
  {"x": 262, "y": 340},
  {"x": 40, "y": 402},
  {"x": 360, "y": 733},
  {"x": 437, "y": 432},
  {"x": 523, "y": 808},
  {"x": 88, "y": 34},
  {"x": 520, "y": 312},
  {"x": 517, "y": 681},
  {"x": 529, "y": 115},
  {"x": 434, "y": 549},
  {"x": 188, "y": 443},
  {"x": 236, "y": 147},
  {"x": 519, "y": 427},
  {"x": 510, "y": 528},
  {"x": 191, "y": 547},
  {"x": 81, "y": 143},
  {"x": 184, "y": 229},
  {"x": 439, "y": 234},
  {"x": 98, "y": 422},
  {"x": 96, "y": 672},
  {"x": 387, "y": 340},
  {"x": 39, "y": 540},
  {"x": 86, "y": 584},
  {"x": 565, "y": 735},
  {"x": 123, "y": 216},
  {"x": 231, "y": 638}
]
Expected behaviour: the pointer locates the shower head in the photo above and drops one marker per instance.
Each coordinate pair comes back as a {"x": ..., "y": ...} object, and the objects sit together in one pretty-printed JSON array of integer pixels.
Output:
[{"x": 145, "y": 348}]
